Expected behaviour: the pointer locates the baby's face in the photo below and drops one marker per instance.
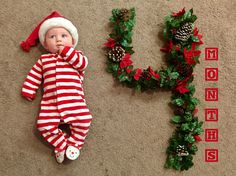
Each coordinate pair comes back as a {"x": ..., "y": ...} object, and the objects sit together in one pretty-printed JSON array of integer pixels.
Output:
[{"x": 56, "y": 38}]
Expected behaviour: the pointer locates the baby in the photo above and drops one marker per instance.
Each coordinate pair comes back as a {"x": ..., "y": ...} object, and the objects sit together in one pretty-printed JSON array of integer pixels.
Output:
[{"x": 62, "y": 72}]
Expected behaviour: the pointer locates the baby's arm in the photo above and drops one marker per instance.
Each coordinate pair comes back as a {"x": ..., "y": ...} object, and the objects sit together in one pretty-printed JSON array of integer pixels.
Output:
[
  {"x": 74, "y": 58},
  {"x": 32, "y": 81}
]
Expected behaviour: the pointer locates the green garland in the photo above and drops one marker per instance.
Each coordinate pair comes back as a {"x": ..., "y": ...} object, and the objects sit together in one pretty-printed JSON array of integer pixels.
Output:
[{"x": 182, "y": 54}]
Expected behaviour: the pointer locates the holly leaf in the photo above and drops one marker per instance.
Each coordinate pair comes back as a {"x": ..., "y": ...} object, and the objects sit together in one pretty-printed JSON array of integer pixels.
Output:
[
  {"x": 124, "y": 43},
  {"x": 178, "y": 102},
  {"x": 165, "y": 33},
  {"x": 189, "y": 138},
  {"x": 176, "y": 119},
  {"x": 187, "y": 15},
  {"x": 112, "y": 19},
  {"x": 112, "y": 35},
  {"x": 115, "y": 12},
  {"x": 191, "y": 88},
  {"x": 195, "y": 101},
  {"x": 170, "y": 162},
  {"x": 187, "y": 163},
  {"x": 191, "y": 107},
  {"x": 185, "y": 127},
  {"x": 188, "y": 117},
  {"x": 198, "y": 131},
  {"x": 194, "y": 38},
  {"x": 112, "y": 67},
  {"x": 168, "y": 19},
  {"x": 193, "y": 149},
  {"x": 115, "y": 67},
  {"x": 193, "y": 18},
  {"x": 123, "y": 77},
  {"x": 138, "y": 87},
  {"x": 174, "y": 75}
]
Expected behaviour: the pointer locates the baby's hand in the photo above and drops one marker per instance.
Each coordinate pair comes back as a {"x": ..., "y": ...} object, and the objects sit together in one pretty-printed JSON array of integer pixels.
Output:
[
  {"x": 60, "y": 48},
  {"x": 29, "y": 99}
]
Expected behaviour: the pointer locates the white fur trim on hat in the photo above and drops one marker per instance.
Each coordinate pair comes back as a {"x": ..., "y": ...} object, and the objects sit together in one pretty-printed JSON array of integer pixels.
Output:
[{"x": 58, "y": 22}]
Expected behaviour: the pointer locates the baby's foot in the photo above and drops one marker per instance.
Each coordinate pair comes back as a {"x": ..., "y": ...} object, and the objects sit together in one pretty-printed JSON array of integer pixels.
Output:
[
  {"x": 72, "y": 153},
  {"x": 60, "y": 156}
]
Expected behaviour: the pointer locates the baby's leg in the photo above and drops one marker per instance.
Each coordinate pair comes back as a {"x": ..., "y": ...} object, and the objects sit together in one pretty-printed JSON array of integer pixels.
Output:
[
  {"x": 47, "y": 124},
  {"x": 79, "y": 131}
]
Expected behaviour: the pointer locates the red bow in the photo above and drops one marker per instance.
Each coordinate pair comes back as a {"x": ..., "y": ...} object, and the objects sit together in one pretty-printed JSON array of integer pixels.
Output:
[
  {"x": 189, "y": 55},
  {"x": 137, "y": 74},
  {"x": 197, "y": 138},
  {"x": 195, "y": 33},
  {"x": 180, "y": 13},
  {"x": 168, "y": 47},
  {"x": 181, "y": 86},
  {"x": 157, "y": 76},
  {"x": 125, "y": 62},
  {"x": 111, "y": 43}
]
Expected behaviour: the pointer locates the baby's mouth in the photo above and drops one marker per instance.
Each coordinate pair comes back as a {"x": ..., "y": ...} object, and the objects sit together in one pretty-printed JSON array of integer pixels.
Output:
[{"x": 59, "y": 45}]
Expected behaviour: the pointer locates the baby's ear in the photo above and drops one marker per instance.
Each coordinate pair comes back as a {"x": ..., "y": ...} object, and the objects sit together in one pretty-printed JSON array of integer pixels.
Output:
[
  {"x": 45, "y": 44},
  {"x": 73, "y": 41}
]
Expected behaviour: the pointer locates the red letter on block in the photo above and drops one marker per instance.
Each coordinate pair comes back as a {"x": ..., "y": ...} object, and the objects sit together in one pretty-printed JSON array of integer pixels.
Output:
[
  {"x": 211, "y": 74},
  {"x": 211, "y": 155},
  {"x": 211, "y": 94},
  {"x": 211, "y": 114},
  {"x": 211, "y": 53},
  {"x": 211, "y": 135}
]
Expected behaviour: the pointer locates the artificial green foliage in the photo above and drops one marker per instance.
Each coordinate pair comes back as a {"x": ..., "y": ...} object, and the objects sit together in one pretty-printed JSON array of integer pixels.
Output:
[{"x": 181, "y": 57}]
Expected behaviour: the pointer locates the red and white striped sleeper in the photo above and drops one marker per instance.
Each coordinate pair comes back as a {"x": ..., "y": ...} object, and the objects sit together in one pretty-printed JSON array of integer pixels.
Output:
[{"x": 63, "y": 97}]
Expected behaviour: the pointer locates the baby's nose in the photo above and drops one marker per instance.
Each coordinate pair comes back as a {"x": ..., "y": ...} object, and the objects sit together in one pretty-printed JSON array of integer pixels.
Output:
[{"x": 59, "y": 39}]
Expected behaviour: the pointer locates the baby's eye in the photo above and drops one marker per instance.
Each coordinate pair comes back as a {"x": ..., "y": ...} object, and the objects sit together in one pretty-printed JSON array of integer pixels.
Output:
[
  {"x": 64, "y": 35},
  {"x": 52, "y": 36}
]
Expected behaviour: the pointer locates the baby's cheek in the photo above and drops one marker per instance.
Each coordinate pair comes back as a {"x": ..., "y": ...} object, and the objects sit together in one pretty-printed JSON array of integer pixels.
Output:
[
  {"x": 69, "y": 43},
  {"x": 52, "y": 50}
]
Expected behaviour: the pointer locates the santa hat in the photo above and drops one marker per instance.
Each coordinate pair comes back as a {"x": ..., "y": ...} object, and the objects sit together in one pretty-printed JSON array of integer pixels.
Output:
[{"x": 52, "y": 20}]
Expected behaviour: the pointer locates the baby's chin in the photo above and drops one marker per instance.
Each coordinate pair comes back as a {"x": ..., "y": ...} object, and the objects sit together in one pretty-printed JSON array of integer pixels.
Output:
[{"x": 53, "y": 51}]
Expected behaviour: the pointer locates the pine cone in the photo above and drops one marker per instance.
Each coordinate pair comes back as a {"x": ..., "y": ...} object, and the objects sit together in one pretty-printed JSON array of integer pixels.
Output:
[
  {"x": 179, "y": 111},
  {"x": 181, "y": 150},
  {"x": 116, "y": 53},
  {"x": 184, "y": 32},
  {"x": 124, "y": 14},
  {"x": 184, "y": 69},
  {"x": 146, "y": 74}
]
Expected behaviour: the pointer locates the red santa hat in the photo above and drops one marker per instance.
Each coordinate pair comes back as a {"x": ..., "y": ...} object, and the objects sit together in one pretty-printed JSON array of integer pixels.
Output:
[{"x": 52, "y": 20}]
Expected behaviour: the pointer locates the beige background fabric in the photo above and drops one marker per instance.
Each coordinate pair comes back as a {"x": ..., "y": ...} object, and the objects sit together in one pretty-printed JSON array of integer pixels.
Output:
[{"x": 130, "y": 131}]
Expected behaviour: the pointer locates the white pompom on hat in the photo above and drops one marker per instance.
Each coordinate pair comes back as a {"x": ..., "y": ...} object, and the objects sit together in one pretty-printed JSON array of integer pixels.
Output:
[{"x": 52, "y": 20}]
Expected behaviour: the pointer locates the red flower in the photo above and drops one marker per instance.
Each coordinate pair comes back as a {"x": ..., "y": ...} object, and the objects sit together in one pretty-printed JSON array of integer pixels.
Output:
[
  {"x": 182, "y": 89},
  {"x": 111, "y": 43},
  {"x": 125, "y": 62},
  {"x": 157, "y": 76},
  {"x": 180, "y": 13},
  {"x": 177, "y": 48},
  {"x": 174, "y": 31},
  {"x": 197, "y": 138},
  {"x": 195, "y": 33},
  {"x": 137, "y": 74},
  {"x": 189, "y": 55},
  {"x": 128, "y": 70},
  {"x": 181, "y": 86},
  {"x": 195, "y": 111},
  {"x": 168, "y": 47}
]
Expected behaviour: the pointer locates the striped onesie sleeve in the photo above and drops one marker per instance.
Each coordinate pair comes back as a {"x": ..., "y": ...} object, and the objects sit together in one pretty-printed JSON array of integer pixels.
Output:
[
  {"x": 75, "y": 58},
  {"x": 33, "y": 81}
]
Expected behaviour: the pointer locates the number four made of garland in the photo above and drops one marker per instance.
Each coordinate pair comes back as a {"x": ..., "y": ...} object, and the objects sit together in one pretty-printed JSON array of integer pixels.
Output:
[{"x": 181, "y": 48}]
